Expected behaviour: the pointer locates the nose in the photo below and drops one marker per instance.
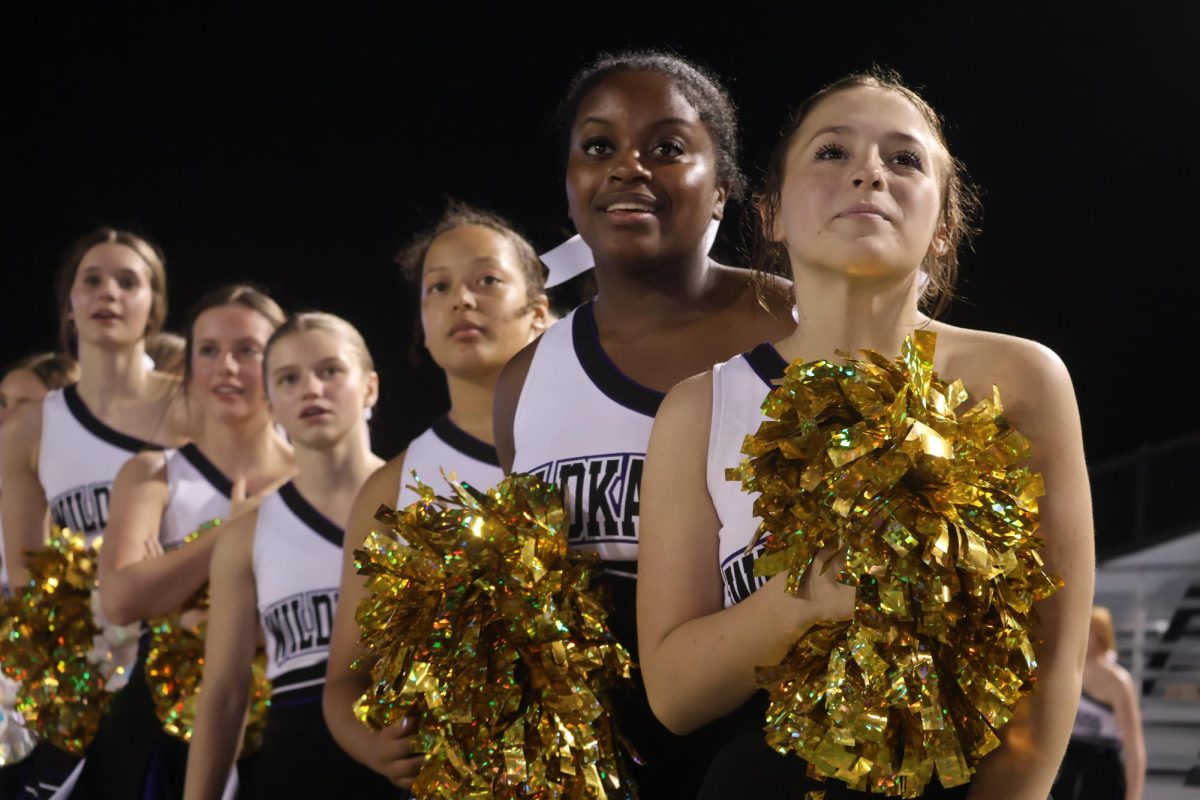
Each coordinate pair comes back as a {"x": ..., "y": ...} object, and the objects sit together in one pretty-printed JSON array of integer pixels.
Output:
[
  {"x": 869, "y": 171},
  {"x": 463, "y": 296},
  {"x": 311, "y": 385},
  {"x": 228, "y": 362},
  {"x": 628, "y": 166}
]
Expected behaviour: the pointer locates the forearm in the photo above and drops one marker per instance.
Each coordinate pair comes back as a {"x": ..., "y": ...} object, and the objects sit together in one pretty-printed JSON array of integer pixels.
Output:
[
  {"x": 1133, "y": 754},
  {"x": 1033, "y": 742},
  {"x": 338, "y": 705},
  {"x": 219, "y": 716},
  {"x": 705, "y": 668},
  {"x": 157, "y": 586}
]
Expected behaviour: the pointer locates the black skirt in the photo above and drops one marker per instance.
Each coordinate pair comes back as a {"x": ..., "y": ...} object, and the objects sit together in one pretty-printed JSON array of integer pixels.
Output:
[
  {"x": 299, "y": 758},
  {"x": 1090, "y": 771}
]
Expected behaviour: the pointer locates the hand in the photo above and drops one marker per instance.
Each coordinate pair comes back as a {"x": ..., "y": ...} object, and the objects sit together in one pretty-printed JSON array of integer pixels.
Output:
[
  {"x": 192, "y": 618},
  {"x": 392, "y": 755},
  {"x": 240, "y": 503},
  {"x": 820, "y": 596},
  {"x": 152, "y": 548}
]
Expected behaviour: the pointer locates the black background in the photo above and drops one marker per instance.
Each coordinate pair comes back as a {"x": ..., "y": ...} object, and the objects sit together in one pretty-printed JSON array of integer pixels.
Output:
[{"x": 298, "y": 145}]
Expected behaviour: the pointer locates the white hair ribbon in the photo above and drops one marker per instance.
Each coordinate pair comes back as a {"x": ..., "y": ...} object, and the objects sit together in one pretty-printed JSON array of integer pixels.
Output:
[{"x": 573, "y": 257}]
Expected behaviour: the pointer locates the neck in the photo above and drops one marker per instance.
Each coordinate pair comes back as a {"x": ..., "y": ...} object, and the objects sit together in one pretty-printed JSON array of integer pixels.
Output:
[
  {"x": 646, "y": 297},
  {"x": 242, "y": 447},
  {"x": 845, "y": 313},
  {"x": 471, "y": 404},
  {"x": 339, "y": 470},
  {"x": 110, "y": 376}
]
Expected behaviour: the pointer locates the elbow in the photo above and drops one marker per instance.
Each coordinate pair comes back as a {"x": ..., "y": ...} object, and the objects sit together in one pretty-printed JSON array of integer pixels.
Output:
[
  {"x": 670, "y": 709},
  {"x": 117, "y": 608}
]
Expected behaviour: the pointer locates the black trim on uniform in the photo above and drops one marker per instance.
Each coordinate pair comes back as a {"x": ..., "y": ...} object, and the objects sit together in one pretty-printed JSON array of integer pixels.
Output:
[
  {"x": 320, "y": 524},
  {"x": 766, "y": 363},
  {"x": 464, "y": 442},
  {"x": 292, "y": 677},
  {"x": 208, "y": 469},
  {"x": 1099, "y": 702},
  {"x": 84, "y": 416},
  {"x": 616, "y": 385}
]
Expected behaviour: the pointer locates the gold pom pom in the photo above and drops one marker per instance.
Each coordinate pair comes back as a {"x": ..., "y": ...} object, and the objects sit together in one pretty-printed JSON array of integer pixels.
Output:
[
  {"x": 481, "y": 624},
  {"x": 47, "y": 635},
  {"x": 937, "y": 522},
  {"x": 175, "y": 668}
]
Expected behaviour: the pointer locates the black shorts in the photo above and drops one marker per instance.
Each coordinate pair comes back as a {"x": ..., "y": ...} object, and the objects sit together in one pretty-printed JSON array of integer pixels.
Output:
[{"x": 1090, "y": 771}]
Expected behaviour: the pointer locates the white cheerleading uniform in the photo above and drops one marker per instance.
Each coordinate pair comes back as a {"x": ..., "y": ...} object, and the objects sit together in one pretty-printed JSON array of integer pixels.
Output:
[
  {"x": 297, "y": 571},
  {"x": 739, "y": 387},
  {"x": 197, "y": 492},
  {"x": 1096, "y": 723},
  {"x": 584, "y": 425},
  {"x": 78, "y": 460},
  {"x": 445, "y": 447}
]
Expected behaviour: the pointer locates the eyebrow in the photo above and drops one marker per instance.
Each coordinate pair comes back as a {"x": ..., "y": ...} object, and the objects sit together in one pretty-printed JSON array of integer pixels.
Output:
[
  {"x": 846, "y": 129},
  {"x": 655, "y": 124}
]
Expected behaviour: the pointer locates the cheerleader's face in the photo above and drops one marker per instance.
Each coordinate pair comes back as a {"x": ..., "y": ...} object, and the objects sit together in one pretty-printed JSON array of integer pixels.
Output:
[
  {"x": 111, "y": 297},
  {"x": 862, "y": 188},
  {"x": 20, "y": 386},
  {"x": 641, "y": 175},
  {"x": 318, "y": 388},
  {"x": 475, "y": 309},
  {"x": 227, "y": 353}
]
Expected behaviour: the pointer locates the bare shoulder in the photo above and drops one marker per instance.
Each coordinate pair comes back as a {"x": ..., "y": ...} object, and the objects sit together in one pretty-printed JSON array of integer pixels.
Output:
[
  {"x": 23, "y": 430},
  {"x": 383, "y": 487},
  {"x": 688, "y": 402},
  {"x": 1031, "y": 377},
  {"x": 149, "y": 465},
  {"x": 166, "y": 402},
  {"x": 761, "y": 301},
  {"x": 506, "y": 398}
]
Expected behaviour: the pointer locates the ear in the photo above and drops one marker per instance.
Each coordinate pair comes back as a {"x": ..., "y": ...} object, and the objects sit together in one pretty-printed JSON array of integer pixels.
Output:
[
  {"x": 765, "y": 218},
  {"x": 939, "y": 245},
  {"x": 542, "y": 318},
  {"x": 372, "y": 395},
  {"x": 719, "y": 205}
]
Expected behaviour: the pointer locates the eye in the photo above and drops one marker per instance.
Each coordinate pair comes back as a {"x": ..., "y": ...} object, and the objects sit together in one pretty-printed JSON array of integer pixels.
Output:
[
  {"x": 830, "y": 151},
  {"x": 91, "y": 280},
  {"x": 249, "y": 351},
  {"x": 596, "y": 146},
  {"x": 3, "y": 403},
  {"x": 436, "y": 288},
  {"x": 909, "y": 159},
  {"x": 668, "y": 149},
  {"x": 330, "y": 371},
  {"x": 128, "y": 282},
  {"x": 206, "y": 351},
  {"x": 490, "y": 280},
  {"x": 286, "y": 379}
]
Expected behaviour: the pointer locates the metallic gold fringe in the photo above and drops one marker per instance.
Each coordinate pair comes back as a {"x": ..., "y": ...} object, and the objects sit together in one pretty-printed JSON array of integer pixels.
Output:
[
  {"x": 480, "y": 623},
  {"x": 937, "y": 523}
]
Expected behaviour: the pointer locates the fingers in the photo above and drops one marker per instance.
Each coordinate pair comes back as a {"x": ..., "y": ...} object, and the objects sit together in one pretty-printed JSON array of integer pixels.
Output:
[
  {"x": 403, "y": 773},
  {"x": 238, "y": 493},
  {"x": 152, "y": 548}
]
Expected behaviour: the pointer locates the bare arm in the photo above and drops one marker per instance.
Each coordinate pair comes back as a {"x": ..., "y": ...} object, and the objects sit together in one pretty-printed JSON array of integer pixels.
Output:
[
  {"x": 387, "y": 752},
  {"x": 1041, "y": 404},
  {"x": 698, "y": 659},
  {"x": 23, "y": 502},
  {"x": 1133, "y": 743},
  {"x": 134, "y": 587},
  {"x": 229, "y": 646},
  {"x": 504, "y": 403}
]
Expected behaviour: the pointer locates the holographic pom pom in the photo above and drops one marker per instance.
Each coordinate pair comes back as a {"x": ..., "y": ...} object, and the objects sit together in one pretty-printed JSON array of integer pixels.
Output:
[
  {"x": 936, "y": 520},
  {"x": 480, "y": 624}
]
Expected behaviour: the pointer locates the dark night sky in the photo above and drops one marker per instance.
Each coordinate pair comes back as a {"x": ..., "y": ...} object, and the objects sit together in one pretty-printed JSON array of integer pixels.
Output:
[{"x": 299, "y": 145}]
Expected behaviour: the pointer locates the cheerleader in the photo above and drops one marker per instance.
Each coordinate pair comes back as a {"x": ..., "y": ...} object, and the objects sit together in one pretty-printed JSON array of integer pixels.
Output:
[
  {"x": 651, "y": 164},
  {"x": 276, "y": 569},
  {"x": 27, "y": 381},
  {"x": 865, "y": 205},
  {"x": 1106, "y": 757},
  {"x": 482, "y": 300},
  {"x": 59, "y": 456},
  {"x": 161, "y": 497}
]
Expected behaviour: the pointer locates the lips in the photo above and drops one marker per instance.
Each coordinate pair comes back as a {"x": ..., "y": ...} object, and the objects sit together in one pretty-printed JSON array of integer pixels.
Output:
[
  {"x": 228, "y": 390},
  {"x": 106, "y": 314},
  {"x": 864, "y": 210},
  {"x": 466, "y": 328},
  {"x": 310, "y": 412},
  {"x": 626, "y": 203}
]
